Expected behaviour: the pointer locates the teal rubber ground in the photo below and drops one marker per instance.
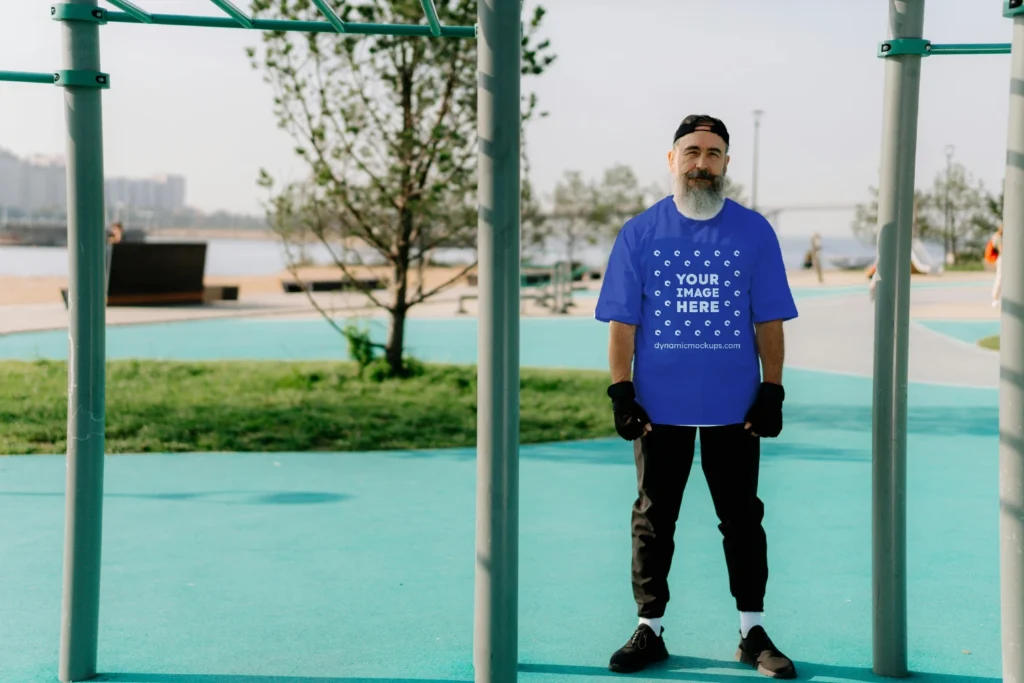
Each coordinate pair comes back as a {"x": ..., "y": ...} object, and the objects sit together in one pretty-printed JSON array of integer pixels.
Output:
[
  {"x": 358, "y": 567},
  {"x": 970, "y": 331},
  {"x": 325, "y": 568}
]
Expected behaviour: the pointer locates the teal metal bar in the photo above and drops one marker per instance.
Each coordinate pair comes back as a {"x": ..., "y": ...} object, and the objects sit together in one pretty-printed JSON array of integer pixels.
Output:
[
  {"x": 1011, "y": 375},
  {"x": 83, "y": 516},
  {"x": 971, "y": 49},
  {"x": 25, "y": 77},
  {"x": 431, "y": 12},
  {"x": 331, "y": 15},
  {"x": 238, "y": 15},
  {"x": 137, "y": 12},
  {"x": 891, "y": 349},
  {"x": 496, "y": 596},
  {"x": 300, "y": 26}
]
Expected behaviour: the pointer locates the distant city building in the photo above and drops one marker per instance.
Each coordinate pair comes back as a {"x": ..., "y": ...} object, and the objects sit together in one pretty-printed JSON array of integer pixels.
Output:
[
  {"x": 162, "y": 193},
  {"x": 39, "y": 184}
]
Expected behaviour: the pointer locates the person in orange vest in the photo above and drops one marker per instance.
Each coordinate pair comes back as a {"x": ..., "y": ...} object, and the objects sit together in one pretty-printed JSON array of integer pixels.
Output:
[{"x": 995, "y": 246}]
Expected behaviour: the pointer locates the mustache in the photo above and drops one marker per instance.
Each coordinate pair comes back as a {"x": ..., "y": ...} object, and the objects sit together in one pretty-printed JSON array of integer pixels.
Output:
[{"x": 700, "y": 174}]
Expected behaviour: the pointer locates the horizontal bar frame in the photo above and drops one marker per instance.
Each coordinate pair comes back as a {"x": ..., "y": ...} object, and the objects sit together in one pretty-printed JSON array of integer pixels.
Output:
[
  {"x": 431, "y": 13},
  {"x": 134, "y": 10},
  {"x": 926, "y": 48},
  {"x": 26, "y": 77},
  {"x": 235, "y": 13},
  {"x": 971, "y": 49},
  {"x": 278, "y": 25},
  {"x": 331, "y": 15}
]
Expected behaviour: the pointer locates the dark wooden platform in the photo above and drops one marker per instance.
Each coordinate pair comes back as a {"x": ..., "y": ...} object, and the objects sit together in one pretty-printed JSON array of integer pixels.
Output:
[
  {"x": 341, "y": 285},
  {"x": 159, "y": 274}
]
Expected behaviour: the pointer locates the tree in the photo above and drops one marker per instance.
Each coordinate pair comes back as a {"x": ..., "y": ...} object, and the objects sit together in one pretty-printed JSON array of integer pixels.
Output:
[
  {"x": 973, "y": 214},
  {"x": 387, "y": 128},
  {"x": 959, "y": 197},
  {"x": 865, "y": 220},
  {"x": 585, "y": 211}
]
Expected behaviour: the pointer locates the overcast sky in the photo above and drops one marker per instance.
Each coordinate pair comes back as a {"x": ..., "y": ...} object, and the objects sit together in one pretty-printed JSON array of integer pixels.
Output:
[{"x": 627, "y": 72}]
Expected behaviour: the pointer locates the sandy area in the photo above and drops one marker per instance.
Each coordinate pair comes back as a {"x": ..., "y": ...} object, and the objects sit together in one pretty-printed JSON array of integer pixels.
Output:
[
  {"x": 39, "y": 290},
  {"x": 35, "y": 303}
]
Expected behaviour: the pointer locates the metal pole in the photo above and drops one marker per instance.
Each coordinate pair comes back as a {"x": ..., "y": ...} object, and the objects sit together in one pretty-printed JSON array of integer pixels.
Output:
[
  {"x": 892, "y": 313},
  {"x": 757, "y": 150},
  {"x": 86, "y": 364},
  {"x": 495, "y": 652},
  {"x": 1011, "y": 382}
]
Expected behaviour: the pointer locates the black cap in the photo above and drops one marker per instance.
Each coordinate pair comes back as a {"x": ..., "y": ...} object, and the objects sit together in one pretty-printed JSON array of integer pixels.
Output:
[{"x": 696, "y": 122}]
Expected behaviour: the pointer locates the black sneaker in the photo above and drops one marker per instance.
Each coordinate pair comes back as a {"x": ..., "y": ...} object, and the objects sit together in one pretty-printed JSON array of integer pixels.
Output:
[
  {"x": 643, "y": 649},
  {"x": 758, "y": 651}
]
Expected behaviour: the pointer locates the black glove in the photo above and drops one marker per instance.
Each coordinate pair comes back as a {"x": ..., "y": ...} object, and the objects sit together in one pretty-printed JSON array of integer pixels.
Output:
[
  {"x": 765, "y": 416},
  {"x": 630, "y": 418}
]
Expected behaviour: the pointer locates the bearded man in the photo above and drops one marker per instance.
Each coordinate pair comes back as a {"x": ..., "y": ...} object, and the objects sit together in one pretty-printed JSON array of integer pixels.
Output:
[{"x": 695, "y": 294}]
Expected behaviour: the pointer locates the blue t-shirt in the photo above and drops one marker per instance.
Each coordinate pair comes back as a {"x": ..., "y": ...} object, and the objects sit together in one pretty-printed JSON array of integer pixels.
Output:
[{"x": 694, "y": 289}]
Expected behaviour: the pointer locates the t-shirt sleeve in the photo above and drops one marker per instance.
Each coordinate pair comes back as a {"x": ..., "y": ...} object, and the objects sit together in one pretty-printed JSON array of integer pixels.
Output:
[
  {"x": 621, "y": 287},
  {"x": 770, "y": 295}
]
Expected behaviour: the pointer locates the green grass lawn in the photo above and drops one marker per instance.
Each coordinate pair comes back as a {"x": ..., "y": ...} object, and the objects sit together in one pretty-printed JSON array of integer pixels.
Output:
[
  {"x": 281, "y": 406},
  {"x": 990, "y": 342}
]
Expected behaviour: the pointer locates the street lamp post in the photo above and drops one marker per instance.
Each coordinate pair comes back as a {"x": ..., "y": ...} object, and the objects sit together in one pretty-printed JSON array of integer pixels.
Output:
[{"x": 757, "y": 146}]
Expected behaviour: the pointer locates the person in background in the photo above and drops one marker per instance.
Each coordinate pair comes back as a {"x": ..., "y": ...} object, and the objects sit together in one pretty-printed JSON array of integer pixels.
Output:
[
  {"x": 997, "y": 250},
  {"x": 116, "y": 233}
]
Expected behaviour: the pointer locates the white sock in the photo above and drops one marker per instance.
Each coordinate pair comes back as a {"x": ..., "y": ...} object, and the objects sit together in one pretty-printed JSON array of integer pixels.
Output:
[
  {"x": 749, "y": 620},
  {"x": 655, "y": 624}
]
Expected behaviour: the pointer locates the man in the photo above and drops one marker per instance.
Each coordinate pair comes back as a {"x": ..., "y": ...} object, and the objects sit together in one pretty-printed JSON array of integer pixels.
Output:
[{"x": 695, "y": 294}]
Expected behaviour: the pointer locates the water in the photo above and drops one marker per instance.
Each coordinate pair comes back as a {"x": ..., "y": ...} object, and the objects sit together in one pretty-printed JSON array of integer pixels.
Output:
[{"x": 225, "y": 257}]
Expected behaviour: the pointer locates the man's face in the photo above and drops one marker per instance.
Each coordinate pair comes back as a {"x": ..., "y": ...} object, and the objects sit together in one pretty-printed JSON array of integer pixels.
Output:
[
  {"x": 700, "y": 157},
  {"x": 698, "y": 163}
]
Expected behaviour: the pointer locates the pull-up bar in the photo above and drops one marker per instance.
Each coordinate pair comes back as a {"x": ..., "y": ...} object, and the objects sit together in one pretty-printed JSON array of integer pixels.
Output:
[
  {"x": 499, "y": 57},
  {"x": 924, "y": 48},
  {"x": 238, "y": 15},
  {"x": 133, "y": 14}
]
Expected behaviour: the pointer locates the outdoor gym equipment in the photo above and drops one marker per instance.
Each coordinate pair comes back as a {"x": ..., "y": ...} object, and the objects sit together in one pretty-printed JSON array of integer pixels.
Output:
[
  {"x": 499, "y": 54},
  {"x": 903, "y": 52},
  {"x": 498, "y": 32}
]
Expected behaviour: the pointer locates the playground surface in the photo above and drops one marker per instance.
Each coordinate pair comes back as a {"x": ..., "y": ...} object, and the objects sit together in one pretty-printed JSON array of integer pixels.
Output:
[{"x": 342, "y": 567}]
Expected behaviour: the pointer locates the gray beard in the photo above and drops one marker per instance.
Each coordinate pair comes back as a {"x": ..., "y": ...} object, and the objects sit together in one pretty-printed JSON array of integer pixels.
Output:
[{"x": 698, "y": 203}]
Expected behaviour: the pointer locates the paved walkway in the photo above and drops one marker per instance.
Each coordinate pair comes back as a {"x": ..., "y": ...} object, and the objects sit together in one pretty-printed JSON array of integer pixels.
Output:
[{"x": 837, "y": 334}]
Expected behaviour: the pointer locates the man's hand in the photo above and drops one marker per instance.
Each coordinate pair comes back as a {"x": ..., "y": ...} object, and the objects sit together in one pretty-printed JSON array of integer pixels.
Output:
[
  {"x": 765, "y": 417},
  {"x": 631, "y": 421}
]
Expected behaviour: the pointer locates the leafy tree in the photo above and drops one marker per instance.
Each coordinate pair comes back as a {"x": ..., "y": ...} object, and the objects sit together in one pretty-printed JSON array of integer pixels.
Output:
[
  {"x": 865, "y": 220},
  {"x": 961, "y": 199},
  {"x": 585, "y": 211},
  {"x": 387, "y": 128}
]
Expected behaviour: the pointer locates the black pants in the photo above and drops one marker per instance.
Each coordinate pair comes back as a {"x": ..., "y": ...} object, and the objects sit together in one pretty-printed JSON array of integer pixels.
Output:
[{"x": 730, "y": 457}]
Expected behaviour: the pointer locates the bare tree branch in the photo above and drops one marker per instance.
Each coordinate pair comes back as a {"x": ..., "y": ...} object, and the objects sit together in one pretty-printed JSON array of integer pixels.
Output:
[{"x": 446, "y": 283}]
